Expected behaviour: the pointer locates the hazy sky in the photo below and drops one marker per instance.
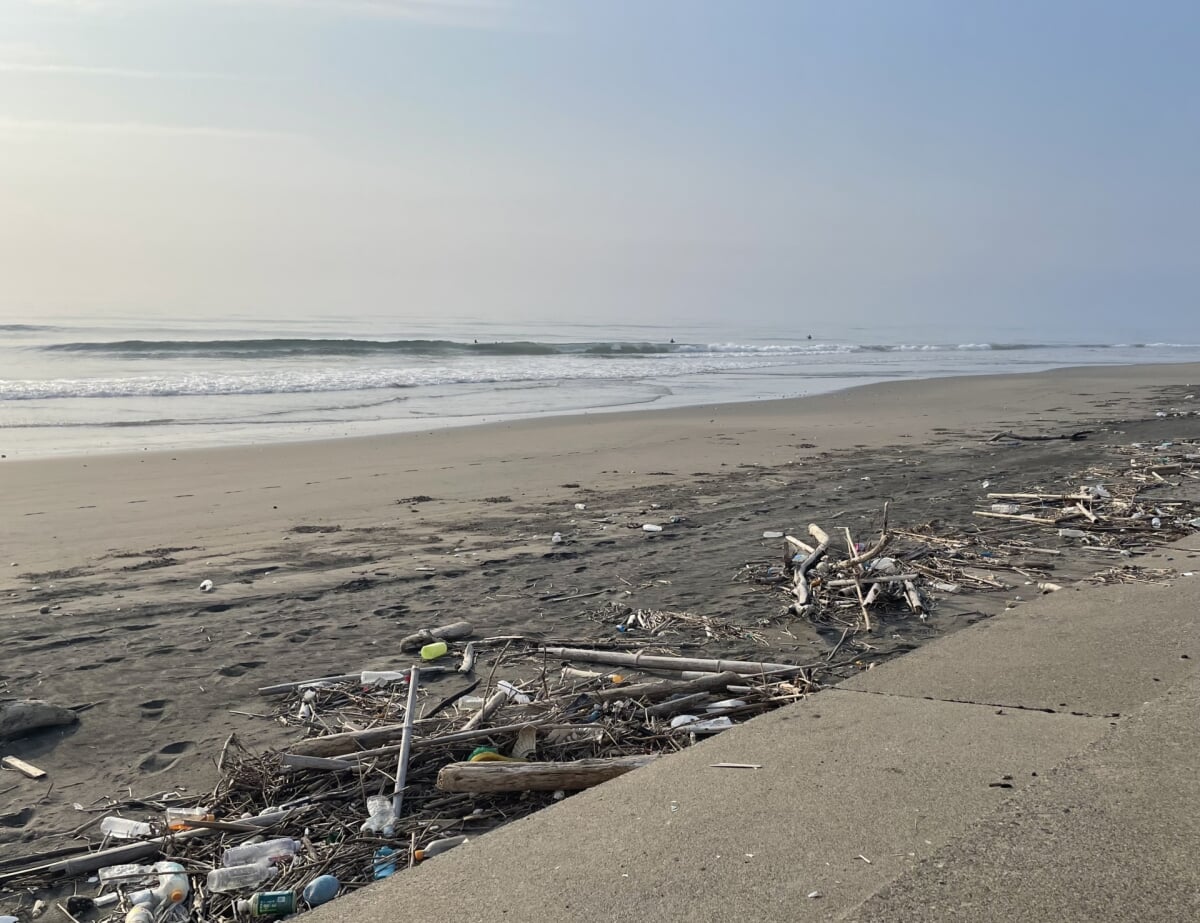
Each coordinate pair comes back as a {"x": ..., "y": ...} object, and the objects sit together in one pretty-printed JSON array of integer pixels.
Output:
[{"x": 655, "y": 159}]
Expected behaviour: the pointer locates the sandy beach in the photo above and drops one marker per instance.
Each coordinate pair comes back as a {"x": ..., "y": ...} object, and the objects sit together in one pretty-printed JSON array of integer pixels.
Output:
[{"x": 322, "y": 555}]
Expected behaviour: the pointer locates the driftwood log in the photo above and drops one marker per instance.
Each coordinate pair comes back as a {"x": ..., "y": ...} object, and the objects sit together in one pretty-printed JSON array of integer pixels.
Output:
[
  {"x": 536, "y": 777},
  {"x": 657, "y": 691},
  {"x": 451, "y": 632}
]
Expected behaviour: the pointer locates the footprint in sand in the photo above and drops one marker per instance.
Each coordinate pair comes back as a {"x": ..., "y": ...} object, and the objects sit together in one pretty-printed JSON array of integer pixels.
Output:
[
  {"x": 238, "y": 669},
  {"x": 166, "y": 757},
  {"x": 154, "y": 708}
]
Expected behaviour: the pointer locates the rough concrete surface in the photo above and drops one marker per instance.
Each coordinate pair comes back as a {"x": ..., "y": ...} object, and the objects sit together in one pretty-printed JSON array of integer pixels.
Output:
[
  {"x": 1097, "y": 651},
  {"x": 843, "y": 776},
  {"x": 1110, "y": 835}
]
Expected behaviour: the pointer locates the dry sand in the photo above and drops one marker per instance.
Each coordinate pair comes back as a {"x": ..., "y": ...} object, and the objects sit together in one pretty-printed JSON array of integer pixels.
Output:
[{"x": 324, "y": 554}]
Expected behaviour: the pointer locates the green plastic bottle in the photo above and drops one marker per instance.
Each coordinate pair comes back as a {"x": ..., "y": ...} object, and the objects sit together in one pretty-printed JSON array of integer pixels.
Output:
[{"x": 269, "y": 904}]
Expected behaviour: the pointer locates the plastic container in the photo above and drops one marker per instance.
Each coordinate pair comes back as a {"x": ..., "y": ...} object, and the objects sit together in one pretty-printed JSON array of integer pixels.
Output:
[
  {"x": 268, "y": 850},
  {"x": 380, "y": 816},
  {"x": 128, "y": 872},
  {"x": 178, "y": 818},
  {"x": 239, "y": 877},
  {"x": 434, "y": 651},
  {"x": 439, "y": 846},
  {"x": 269, "y": 904},
  {"x": 321, "y": 890},
  {"x": 172, "y": 887},
  {"x": 384, "y": 862},
  {"x": 122, "y": 828}
]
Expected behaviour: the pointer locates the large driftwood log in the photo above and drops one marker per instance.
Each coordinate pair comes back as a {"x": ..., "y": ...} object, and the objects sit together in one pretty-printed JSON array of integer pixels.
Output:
[
  {"x": 425, "y": 636},
  {"x": 652, "y": 662},
  {"x": 536, "y": 777}
]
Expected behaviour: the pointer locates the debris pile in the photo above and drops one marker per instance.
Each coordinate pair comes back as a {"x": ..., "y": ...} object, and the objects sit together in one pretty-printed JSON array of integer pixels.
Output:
[{"x": 394, "y": 767}]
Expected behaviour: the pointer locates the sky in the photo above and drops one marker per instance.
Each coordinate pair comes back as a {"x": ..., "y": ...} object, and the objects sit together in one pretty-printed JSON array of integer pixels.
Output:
[{"x": 606, "y": 160}]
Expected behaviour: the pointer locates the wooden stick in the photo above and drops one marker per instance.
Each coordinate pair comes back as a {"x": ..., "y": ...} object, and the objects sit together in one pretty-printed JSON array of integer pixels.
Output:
[
  {"x": 913, "y": 597},
  {"x": 536, "y": 777},
  {"x": 297, "y": 761},
  {"x": 669, "y": 663},
  {"x": 870, "y": 578},
  {"x": 26, "y": 769},
  {"x": 485, "y": 711},
  {"x": 655, "y": 691},
  {"x": 1022, "y": 518},
  {"x": 862, "y": 603}
]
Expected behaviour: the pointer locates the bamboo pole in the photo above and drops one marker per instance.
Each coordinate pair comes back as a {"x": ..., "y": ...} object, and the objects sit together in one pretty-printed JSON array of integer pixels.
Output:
[
  {"x": 650, "y": 661},
  {"x": 410, "y": 710}
]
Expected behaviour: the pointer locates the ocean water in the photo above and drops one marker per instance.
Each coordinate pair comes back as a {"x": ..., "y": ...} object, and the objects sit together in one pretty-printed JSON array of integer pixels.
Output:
[{"x": 81, "y": 386}]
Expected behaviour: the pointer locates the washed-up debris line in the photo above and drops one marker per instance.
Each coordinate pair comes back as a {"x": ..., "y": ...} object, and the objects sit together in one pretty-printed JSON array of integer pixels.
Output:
[
  {"x": 833, "y": 581},
  {"x": 390, "y": 768}
]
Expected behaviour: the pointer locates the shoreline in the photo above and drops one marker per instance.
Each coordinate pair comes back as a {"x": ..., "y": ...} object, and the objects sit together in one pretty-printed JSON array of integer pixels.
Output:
[
  {"x": 325, "y": 554},
  {"x": 397, "y": 428}
]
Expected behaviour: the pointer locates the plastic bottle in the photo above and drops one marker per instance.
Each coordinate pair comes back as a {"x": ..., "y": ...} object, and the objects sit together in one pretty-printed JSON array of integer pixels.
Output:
[
  {"x": 439, "y": 846},
  {"x": 380, "y": 816},
  {"x": 141, "y": 913},
  {"x": 269, "y": 904},
  {"x": 651, "y": 527},
  {"x": 321, "y": 890},
  {"x": 128, "y": 871},
  {"x": 1156, "y": 523},
  {"x": 178, "y": 818},
  {"x": 384, "y": 862},
  {"x": 1072, "y": 533},
  {"x": 268, "y": 850},
  {"x": 381, "y": 677},
  {"x": 173, "y": 885},
  {"x": 433, "y": 651},
  {"x": 171, "y": 889},
  {"x": 239, "y": 877},
  {"x": 122, "y": 828}
]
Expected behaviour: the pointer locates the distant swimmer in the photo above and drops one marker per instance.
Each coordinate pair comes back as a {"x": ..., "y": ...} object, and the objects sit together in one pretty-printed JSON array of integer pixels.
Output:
[
  {"x": 810, "y": 336},
  {"x": 672, "y": 339}
]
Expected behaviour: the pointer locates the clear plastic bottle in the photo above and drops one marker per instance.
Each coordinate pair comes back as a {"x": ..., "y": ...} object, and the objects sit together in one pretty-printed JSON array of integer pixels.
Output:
[
  {"x": 439, "y": 846},
  {"x": 179, "y": 818},
  {"x": 128, "y": 872},
  {"x": 122, "y": 828},
  {"x": 268, "y": 850},
  {"x": 240, "y": 877}
]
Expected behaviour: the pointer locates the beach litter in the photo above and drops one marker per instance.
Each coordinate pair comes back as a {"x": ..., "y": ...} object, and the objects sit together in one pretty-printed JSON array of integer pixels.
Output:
[{"x": 398, "y": 763}]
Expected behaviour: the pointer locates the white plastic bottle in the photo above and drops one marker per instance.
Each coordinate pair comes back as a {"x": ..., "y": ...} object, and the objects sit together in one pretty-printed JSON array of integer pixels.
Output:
[
  {"x": 172, "y": 887},
  {"x": 439, "y": 846},
  {"x": 122, "y": 828},
  {"x": 239, "y": 877},
  {"x": 268, "y": 850}
]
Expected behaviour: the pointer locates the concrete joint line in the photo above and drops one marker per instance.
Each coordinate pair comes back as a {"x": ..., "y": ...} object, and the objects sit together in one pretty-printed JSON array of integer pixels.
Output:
[{"x": 930, "y": 698}]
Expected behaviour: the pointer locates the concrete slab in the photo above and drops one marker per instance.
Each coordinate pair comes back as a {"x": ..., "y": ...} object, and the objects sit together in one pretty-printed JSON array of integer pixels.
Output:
[
  {"x": 843, "y": 777},
  {"x": 1095, "y": 651},
  {"x": 1112, "y": 834}
]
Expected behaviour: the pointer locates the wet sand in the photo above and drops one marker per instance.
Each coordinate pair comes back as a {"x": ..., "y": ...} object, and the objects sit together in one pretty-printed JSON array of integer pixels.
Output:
[{"x": 323, "y": 555}]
